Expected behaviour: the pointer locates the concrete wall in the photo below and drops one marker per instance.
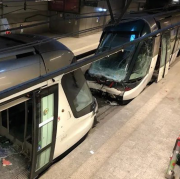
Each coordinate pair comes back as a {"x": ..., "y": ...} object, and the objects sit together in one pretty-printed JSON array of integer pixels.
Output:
[
  {"x": 67, "y": 26},
  {"x": 38, "y": 12},
  {"x": 86, "y": 23},
  {"x": 16, "y": 15}
]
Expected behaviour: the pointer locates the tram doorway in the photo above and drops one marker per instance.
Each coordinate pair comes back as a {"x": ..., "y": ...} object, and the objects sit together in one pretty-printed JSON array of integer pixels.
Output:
[
  {"x": 16, "y": 137},
  {"x": 28, "y": 128}
]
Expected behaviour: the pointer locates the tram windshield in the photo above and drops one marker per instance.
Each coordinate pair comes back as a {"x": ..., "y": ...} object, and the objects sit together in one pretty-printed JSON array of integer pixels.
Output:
[{"x": 114, "y": 67}]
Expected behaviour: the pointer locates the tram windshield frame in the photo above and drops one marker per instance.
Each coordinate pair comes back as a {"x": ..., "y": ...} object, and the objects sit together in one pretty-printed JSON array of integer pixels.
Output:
[{"x": 111, "y": 67}]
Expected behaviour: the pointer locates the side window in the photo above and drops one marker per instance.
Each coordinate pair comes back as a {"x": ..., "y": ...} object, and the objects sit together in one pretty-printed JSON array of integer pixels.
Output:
[
  {"x": 143, "y": 60},
  {"x": 165, "y": 49},
  {"x": 173, "y": 39},
  {"x": 77, "y": 92},
  {"x": 178, "y": 46}
]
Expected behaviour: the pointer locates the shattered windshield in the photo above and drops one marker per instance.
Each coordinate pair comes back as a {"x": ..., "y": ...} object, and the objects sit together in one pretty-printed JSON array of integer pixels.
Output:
[{"x": 114, "y": 67}]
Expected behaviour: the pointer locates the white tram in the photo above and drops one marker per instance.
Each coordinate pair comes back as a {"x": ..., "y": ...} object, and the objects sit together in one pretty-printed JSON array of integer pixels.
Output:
[
  {"x": 124, "y": 75},
  {"x": 42, "y": 122}
]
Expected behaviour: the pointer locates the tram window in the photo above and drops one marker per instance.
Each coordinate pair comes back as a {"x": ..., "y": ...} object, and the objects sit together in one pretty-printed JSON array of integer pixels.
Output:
[
  {"x": 7, "y": 58},
  {"x": 178, "y": 46},
  {"x": 114, "y": 67},
  {"x": 4, "y": 118},
  {"x": 112, "y": 40},
  {"x": 143, "y": 60},
  {"x": 173, "y": 39},
  {"x": 163, "y": 50},
  {"x": 77, "y": 91},
  {"x": 25, "y": 55}
]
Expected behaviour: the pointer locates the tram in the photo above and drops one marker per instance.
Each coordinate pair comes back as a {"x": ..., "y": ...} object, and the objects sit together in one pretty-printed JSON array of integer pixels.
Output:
[
  {"x": 42, "y": 122},
  {"x": 124, "y": 75}
]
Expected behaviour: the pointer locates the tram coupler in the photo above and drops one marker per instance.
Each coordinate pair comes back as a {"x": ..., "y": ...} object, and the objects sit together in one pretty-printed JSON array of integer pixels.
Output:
[{"x": 174, "y": 160}]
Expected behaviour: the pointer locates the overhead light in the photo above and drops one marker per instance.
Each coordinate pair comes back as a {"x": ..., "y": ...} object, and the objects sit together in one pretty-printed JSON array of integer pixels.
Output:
[
  {"x": 101, "y": 9},
  {"x": 175, "y": 1}
]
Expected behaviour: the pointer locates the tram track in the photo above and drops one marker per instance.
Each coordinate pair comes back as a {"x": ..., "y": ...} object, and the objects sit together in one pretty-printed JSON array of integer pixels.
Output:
[{"x": 106, "y": 108}]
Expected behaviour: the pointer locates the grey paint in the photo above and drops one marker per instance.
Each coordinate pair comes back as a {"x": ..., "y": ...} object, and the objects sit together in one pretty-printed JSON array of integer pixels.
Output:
[
  {"x": 43, "y": 59},
  {"x": 35, "y": 12},
  {"x": 57, "y": 59},
  {"x": 16, "y": 71},
  {"x": 75, "y": 25}
]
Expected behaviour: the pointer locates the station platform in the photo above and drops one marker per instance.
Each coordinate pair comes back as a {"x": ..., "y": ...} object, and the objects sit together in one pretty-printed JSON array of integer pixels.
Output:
[
  {"x": 82, "y": 44},
  {"x": 133, "y": 142}
]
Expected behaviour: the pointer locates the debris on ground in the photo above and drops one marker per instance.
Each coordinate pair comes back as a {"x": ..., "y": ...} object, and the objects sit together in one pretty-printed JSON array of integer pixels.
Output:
[
  {"x": 13, "y": 163},
  {"x": 6, "y": 162},
  {"x": 112, "y": 103},
  {"x": 92, "y": 152}
]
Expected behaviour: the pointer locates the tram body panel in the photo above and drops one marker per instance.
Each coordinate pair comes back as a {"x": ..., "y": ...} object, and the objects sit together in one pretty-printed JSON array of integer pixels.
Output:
[
  {"x": 176, "y": 47},
  {"x": 54, "y": 60},
  {"x": 128, "y": 95},
  {"x": 76, "y": 116},
  {"x": 71, "y": 132},
  {"x": 165, "y": 50},
  {"x": 165, "y": 46},
  {"x": 105, "y": 89},
  {"x": 145, "y": 56},
  {"x": 18, "y": 70},
  {"x": 69, "y": 129},
  {"x": 174, "y": 56},
  {"x": 63, "y": 109}
]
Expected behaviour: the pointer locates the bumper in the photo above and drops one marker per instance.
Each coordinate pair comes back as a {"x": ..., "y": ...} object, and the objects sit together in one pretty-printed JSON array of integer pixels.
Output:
[{"x": 105, "y": 89}]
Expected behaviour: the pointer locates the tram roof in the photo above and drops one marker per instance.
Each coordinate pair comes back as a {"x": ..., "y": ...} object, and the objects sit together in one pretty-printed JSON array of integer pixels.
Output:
[
  {"x": 27, "y": 63},
  {"x": 18, "y": 39}
]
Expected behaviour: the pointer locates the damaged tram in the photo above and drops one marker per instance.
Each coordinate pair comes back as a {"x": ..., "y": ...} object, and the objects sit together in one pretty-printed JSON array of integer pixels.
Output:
[
  {"x": 42, "y": 122},
  {"x": 124, "y": 75}
]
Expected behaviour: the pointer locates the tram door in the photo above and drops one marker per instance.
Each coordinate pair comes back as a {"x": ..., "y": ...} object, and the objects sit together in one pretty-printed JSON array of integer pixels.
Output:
[
  {"x": 165, "y": 53},
  {"x": 45, "y": 127}
]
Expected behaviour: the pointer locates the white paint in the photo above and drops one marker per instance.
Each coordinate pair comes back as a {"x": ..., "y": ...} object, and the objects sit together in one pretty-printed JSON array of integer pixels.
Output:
[
  {"x": 69, "y": 129},
  {"x": 167, "y": 69},
  {"x": 104, "y": 88},
  {"x": 13, "y": 103},
  {"x": 161, "y": 72},
  {"x": 128, "y": 95}
]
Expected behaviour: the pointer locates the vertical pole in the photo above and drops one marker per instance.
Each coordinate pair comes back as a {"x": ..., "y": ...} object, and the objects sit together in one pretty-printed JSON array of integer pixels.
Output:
[
  {"x": 124, "y": 10},
  {"x": 25, "y": 5},
  {"x": 110, "y": 11}
]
